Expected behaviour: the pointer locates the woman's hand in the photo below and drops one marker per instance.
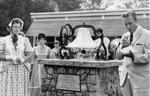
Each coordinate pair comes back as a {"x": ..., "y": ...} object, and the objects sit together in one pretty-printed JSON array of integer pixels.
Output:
[
  {"x": 20, "y": 60},
  {"x": 12, "y": 59},
  {"x": 17, "y": 61}
]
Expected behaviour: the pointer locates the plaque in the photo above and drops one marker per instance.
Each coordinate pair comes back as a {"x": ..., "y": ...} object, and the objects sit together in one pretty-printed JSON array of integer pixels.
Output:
[{"x": 68, "y": 82}]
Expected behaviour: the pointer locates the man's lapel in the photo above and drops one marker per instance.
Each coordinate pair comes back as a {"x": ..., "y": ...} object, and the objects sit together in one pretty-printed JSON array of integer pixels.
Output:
[{"x": 137, "y": 36}]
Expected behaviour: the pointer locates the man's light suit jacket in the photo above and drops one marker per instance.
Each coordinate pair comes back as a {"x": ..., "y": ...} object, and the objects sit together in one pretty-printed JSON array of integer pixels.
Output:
[{"x": 138, "y": 70}]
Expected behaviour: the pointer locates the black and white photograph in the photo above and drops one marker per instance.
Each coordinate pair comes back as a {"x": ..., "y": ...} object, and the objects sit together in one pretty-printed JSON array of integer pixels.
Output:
[{"x": 74, "y": 48}]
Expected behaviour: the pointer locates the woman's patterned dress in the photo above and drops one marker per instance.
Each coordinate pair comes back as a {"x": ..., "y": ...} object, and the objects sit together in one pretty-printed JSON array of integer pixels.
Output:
[{"x": 14, "y": 79}]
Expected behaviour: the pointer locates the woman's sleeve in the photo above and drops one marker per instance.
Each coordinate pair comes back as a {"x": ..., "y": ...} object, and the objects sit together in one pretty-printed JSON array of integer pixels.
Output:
[
  {"x": 2, "y": 45},
  {"x": 3, "y": 66},
  {"x": 28, "y": 47},
  {"x": 2, "y": 48},
  {"x": 49, "y": 53}
]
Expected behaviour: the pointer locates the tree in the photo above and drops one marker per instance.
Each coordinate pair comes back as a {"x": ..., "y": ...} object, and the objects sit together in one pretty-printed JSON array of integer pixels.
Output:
[
  {"x": 22, "y": 9},
  {"x": 43, "y": 6},
  {"x": 14, "y": 9},
  {"x": 137, "y": 4},
  {"x": 19, "y": 9},
  {"x": 94, "y": 4},
  {"x": 68, "y": 5},
  {"x": 113, "y": 4}
]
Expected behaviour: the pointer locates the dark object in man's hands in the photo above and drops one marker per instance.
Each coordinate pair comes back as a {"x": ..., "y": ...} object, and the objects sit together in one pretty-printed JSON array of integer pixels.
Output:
[{"x": 130, "y": 55}]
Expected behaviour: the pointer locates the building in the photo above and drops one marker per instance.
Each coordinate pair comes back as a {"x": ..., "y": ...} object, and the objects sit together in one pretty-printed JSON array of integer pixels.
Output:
[{"x": 110, "y": 21}]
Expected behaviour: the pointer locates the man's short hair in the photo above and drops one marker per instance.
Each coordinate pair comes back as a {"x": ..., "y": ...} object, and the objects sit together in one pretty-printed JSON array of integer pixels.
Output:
[{"x": 130, "y": 13}]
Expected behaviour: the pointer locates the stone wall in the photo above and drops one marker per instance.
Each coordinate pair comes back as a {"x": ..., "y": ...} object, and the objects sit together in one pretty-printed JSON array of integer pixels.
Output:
[{"x": 85, "y": 81}]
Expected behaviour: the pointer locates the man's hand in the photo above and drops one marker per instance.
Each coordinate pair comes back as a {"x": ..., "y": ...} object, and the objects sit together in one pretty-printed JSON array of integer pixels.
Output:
[
  {"x": 130, "y": 55},
  {"x": 125, "y": 43}
]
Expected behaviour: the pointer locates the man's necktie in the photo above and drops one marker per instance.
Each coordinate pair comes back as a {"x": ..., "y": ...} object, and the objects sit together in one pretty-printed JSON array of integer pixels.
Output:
[{"x": 131, "y": 37}]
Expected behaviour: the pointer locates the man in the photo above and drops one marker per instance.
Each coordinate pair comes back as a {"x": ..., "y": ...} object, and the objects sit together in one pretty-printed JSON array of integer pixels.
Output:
[{"x": 135, "y": 49}]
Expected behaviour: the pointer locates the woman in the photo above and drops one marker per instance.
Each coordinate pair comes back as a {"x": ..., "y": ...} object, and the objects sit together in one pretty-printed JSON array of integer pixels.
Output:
[
  {"x": 55, "y": 50},
  {"x": 14, "y": 73},
  {"x": 40, "y": 51}
]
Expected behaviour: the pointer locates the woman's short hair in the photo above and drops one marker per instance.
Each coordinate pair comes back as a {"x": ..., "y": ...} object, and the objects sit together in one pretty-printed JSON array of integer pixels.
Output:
[
  {"x": 41, "y": 35},
  {"x": 99, "y": 30}
]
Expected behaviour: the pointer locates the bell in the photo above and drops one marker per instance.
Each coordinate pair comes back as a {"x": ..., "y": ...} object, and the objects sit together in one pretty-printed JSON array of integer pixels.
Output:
[{"x": 83, "y": 39}]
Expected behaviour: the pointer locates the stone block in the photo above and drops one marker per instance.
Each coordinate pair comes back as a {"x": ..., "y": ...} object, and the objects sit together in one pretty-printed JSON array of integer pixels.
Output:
[
  {"x": 50, "y": 70},
  {"x": 61, "y": 70},
  {"x": 84, "y": 76},
  {"x": 80, "y": 71},
  {"x": 87, "y": 70},
  {"x": 78, "y": 93},
  {"x": 83, "y": 87},
  {"x": 93, "y": 71},
  {"x": 91, "y": 79},
  {"x": 70, "y": 71},
  {"x": 92, "y": 93},
  {"x": 91, "y": 88},
  {"x": 53, "y": 82},
  {"x": 49, "y": 76},
  {"x": 55, "y": 76},
  {"x": 69, "y": 95},
  {"x": 85, "y": 93}
]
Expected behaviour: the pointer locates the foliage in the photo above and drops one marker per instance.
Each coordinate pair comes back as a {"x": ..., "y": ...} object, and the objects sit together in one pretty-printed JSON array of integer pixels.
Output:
[
  {"x": 22, "y": 8},
  {"x": 68, "y": 5},
  {"x": 113, "y": 4},
  {"x": 14, "y": 9},
  {"x": 91, "y": 5},
  {"x": 43, "y": 6},
  {"x": 137, "y": 4}
]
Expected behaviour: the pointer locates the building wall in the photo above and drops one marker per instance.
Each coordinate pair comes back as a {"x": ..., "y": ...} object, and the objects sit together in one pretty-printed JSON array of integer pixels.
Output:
[{"x": 50, "y": 23}]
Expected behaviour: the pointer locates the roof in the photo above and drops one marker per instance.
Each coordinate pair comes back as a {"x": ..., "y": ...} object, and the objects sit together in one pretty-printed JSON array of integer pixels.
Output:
[{"x": 110, "y": 21}]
